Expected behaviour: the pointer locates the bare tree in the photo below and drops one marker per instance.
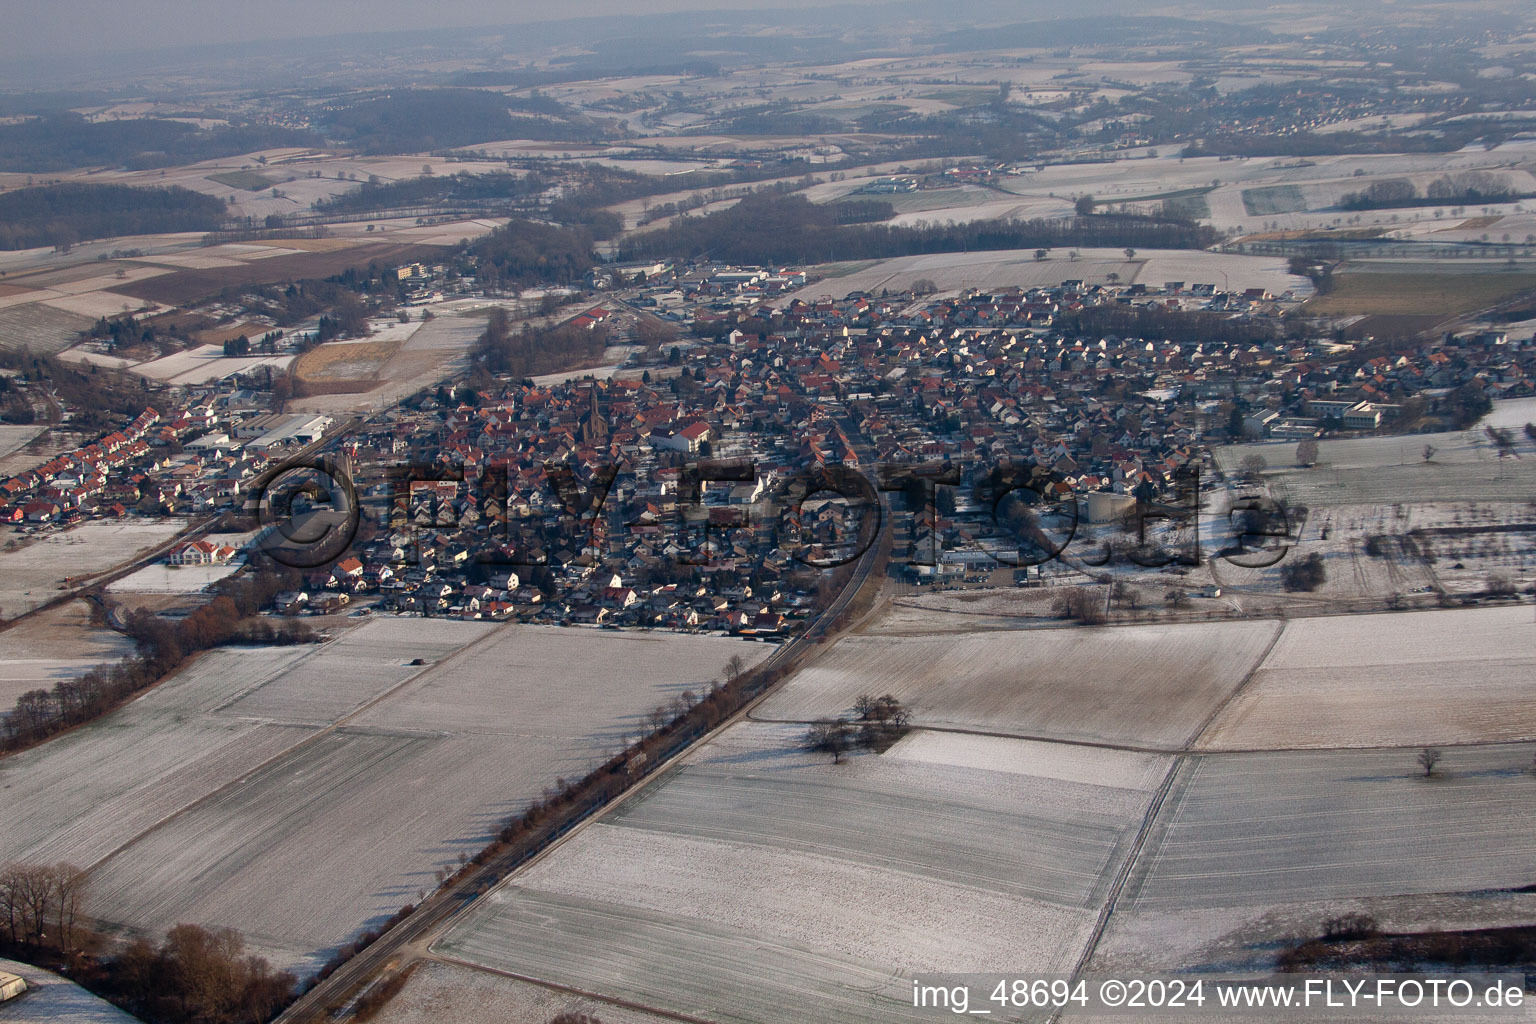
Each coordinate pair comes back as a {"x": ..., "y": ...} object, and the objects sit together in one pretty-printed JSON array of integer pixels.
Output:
[
  {"x": 1428, "y": 758},
  {"x": 734, "y": 667},
  {"x": 69, "y": 887},
  {"x": 1306, "y": 453},
  {"x": 830, "y": 736},
  {"x": 1253, "y": 465},
  {"x": 1429, "y": 452}
]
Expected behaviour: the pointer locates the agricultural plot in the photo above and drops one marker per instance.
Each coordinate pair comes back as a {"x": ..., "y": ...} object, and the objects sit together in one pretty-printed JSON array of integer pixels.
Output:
[
  {"x": 205, "y": 363},
  {"x": 1465, "y": 466},
  {"x": 428, "y": 353},
  {"x": 1273, "y": 199},
  {"x": 1429, "y": 294},
  {"x": 32, "y": 575},
  {"x": 41, "y": 328},
  {"x": 952, "y": 272},
  {"x": 12, "y": 438},
  {"x": 356, "y": 668},
  {"x": 162, "y": 578},
  {"x": 758, "y": 882},
  {"x": 59, "y": 643},
  {"x": 1064, "y": 684},
  {"x": 1295, "y": 826},
  {"x": 441, "y": 991},
  {"x": 194, "y": 802},
  {"x": 1445, "y": 676},
  {"x": 345, "y": 362}
]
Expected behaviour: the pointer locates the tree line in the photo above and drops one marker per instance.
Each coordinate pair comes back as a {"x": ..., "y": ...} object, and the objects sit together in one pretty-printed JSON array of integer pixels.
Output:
[
  {"x": 765, "y": 228},
  {"x": 1471, "y": 188},
  {"x": 436, "y": 189},
  {"x": 63, "y": 139}
]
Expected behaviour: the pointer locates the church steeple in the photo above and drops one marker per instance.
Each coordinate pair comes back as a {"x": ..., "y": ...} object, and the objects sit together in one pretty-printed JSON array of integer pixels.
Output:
[{"x": 594, "y": 428}]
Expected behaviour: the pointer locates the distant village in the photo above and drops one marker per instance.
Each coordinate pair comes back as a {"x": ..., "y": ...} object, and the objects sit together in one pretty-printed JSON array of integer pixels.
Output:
[{"x": 462, "y": 517}]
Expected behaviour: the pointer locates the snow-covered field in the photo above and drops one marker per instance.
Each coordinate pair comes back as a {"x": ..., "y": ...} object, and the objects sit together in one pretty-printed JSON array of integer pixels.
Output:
[
  {"x": 204, "y": 363},
  {"x": 53, "y": 999},
  {"x": 31, "y": 575},
  {"x": 163, "y": 578},
  {"x": 53, "y": 645},
  {"x": 14, "y": 437},
  {"x": 1150, "y": 685},
  {"x": 440, "y": 992},
  {"x": 1290, "y": 826},
  {"x": 1446, "y": 676},
  {"x": 1464, "y": 466},
  {"x": 763, "y": 883},
  {"x": 953, "y": 272},
  {"x": 194, "y": 802}
]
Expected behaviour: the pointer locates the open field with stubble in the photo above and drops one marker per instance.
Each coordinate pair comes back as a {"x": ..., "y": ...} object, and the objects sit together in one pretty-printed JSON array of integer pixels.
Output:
[
  {"x": 195, "y": 801},
  {"x": 1082, "y": 684},
  {"x": 757, "y": 882}
]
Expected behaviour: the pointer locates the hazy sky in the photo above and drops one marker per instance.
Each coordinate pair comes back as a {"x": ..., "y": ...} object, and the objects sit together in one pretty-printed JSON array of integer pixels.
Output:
[{"x": 34, "y": 28}]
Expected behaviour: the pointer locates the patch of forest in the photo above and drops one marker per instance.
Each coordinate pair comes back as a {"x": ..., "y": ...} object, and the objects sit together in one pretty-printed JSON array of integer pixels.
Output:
[
  {"x": 63, "y": 140},
  {"x": 789, "y": 229},
  {"x": 64, "y": 214},
  {"x": 428, "y": 120}
]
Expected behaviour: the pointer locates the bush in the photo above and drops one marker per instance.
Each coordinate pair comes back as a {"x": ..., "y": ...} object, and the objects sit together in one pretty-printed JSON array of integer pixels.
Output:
[{"x": 1350, "y": 926}]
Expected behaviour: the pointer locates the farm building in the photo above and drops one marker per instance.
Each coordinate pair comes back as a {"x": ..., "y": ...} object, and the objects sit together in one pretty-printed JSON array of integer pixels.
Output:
[{"x": 11, "y": 986}]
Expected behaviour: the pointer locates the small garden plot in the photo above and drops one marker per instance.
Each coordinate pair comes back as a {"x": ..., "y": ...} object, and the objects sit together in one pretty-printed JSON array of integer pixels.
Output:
[
  {"x": 1094, "y": 684},
  {"x": 1254, "y": 829},
  {"x": 758, "y": 882},
  {"x": 1449, "y": 676}
]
